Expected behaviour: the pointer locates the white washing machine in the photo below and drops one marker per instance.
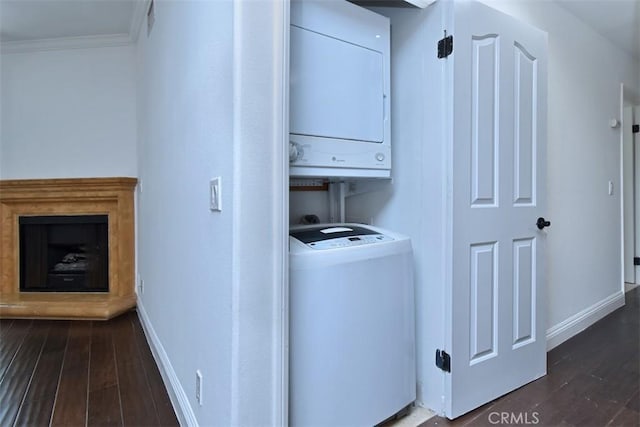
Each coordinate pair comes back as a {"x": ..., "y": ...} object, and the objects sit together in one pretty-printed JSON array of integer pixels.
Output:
[{"x": 352, "y": 327}]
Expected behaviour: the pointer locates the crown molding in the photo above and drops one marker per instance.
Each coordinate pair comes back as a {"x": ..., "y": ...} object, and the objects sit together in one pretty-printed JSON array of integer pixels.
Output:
[
  {"x": 62, "y": 43},
  {"x": 140, "y": 8}
]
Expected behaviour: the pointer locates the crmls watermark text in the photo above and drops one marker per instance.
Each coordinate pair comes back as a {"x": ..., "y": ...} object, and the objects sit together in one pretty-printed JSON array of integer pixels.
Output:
[{"x": 525, "y": 418}]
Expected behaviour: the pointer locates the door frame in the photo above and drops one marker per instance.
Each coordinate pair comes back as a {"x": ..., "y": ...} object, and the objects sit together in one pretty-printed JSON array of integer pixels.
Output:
[
  {"x": 259, "y": 392},
  {"x": 628, "y": 98}
]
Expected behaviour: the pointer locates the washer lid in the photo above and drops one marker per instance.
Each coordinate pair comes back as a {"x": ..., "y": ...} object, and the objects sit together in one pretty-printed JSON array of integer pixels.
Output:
[{"x": 338, "y": 236}]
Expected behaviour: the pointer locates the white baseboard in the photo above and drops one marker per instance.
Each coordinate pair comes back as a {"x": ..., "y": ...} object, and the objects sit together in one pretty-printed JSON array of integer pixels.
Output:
[
  {"x": 178, "y": 397},
  {"x": 556, "y": 335},
  {"x": 577, "y": 323}
]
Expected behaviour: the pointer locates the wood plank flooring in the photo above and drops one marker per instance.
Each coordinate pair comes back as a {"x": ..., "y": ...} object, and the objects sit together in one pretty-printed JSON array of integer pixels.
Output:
[
  {"x": 76, "y": 373},
  {"x": 593, "y": 380}
]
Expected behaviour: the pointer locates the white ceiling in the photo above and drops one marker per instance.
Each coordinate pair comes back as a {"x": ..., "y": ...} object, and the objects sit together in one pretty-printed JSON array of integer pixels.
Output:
[
  {"x": 616, "y": 20},
  {"x": 26, "y": 20}
]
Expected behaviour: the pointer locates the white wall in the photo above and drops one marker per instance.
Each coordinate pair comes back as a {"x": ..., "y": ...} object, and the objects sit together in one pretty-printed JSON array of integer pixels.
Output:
[
  {"x": 308, "y": 203},
  {"x": 413, "y": 203},
  {"x": 585, "y": 72},
  {"x": 211, "y": 85},
  {"x": 583, "y": 154},
  {"x": 185, "y": 134},
  {"x": 68, "y": 113}
]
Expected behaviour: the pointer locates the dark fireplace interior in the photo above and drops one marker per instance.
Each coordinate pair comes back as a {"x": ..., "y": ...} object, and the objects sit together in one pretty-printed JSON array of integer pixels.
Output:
[{"x": 64, "y": 253}]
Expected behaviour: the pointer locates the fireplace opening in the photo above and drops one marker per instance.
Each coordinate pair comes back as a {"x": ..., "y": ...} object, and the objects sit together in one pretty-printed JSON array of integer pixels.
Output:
[{"x": 64, "y": 253}]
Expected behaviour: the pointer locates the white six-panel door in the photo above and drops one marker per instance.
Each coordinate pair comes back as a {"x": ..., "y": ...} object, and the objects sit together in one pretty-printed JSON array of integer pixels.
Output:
[{"x": 496, "y": 303}]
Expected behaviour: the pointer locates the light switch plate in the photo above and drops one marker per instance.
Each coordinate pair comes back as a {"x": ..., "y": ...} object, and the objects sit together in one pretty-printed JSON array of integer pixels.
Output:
[{"x": 215, "y": 194}]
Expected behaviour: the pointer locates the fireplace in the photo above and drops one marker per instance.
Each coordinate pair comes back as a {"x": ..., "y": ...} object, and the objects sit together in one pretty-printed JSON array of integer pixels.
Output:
[
  {"x": 67, "y": 248},
  {"x": 64, "y": 253}
]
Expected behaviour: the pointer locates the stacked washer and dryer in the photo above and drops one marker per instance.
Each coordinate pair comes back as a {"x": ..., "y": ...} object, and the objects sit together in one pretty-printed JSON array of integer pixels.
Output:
[{"x": 352, "y": 330}]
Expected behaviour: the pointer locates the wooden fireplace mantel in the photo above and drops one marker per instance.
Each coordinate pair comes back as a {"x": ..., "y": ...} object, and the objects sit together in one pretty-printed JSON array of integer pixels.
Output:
[{"x": 76, "y": 196}]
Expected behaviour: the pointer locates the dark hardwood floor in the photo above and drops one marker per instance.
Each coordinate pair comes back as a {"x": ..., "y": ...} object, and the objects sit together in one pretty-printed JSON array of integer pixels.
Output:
[
  {"x": 593, "y": 380},
  {"x": 76, "y": 373}
]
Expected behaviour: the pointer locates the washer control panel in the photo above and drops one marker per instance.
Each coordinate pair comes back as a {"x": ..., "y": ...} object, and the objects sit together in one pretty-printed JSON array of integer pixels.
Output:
[
  {"x": 346, "y": 242},
  {"x": 334, "y": 237}
]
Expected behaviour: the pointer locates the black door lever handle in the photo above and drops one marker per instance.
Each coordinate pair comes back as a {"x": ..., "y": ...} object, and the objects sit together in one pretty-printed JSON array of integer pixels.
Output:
[{"x": 542, "y": 223}]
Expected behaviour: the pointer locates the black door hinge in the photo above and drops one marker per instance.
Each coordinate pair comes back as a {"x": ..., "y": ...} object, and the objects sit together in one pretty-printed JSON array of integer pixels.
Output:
[
  {"x": 635, "y": 128},
  {"x": 443, "y": 360},
  {"x": 636, "y": 260},
  {"x": 445, "y": 46}
]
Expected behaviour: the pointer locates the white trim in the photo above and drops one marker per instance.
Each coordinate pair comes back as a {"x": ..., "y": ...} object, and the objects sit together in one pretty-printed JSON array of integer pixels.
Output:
[
  {"x": 177, "y": 395},
  {"x": 259, "y": 311},
  {"x": 622, "y": 189},
  {"x": 140, "y": 9},
  {"x": 283, "y": 342},
  {"x": 628, "y": 98},
  {"x": 62, "y": 43},
  {"x": 577, "y": 323}
]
